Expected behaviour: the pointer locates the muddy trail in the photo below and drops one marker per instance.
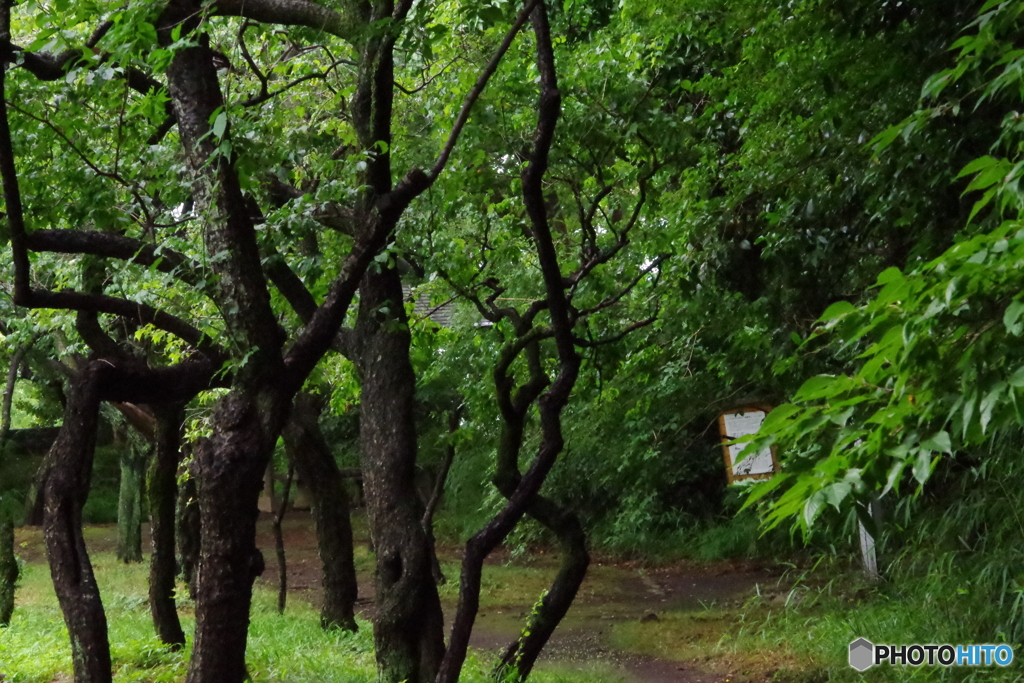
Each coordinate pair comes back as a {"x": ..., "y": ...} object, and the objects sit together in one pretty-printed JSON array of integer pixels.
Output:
[{"x": 613, "y": 594}]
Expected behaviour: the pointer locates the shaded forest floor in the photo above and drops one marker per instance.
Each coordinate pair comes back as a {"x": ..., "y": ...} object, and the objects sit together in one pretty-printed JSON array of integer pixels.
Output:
[{"x": 670, "y": 624}]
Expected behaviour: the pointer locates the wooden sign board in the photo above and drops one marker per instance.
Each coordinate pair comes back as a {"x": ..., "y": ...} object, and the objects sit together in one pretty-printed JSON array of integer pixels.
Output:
[{"x": 742, "y": 421}]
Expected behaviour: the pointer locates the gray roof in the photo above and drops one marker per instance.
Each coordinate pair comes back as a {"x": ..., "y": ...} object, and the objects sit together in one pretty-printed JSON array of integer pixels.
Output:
[{"x": 440, "y": 313}]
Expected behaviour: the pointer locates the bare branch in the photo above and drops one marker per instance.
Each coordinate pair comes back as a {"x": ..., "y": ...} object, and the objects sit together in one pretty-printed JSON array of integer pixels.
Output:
[
  {"x": 604, "y": 341},
  {"x": 249, "y": 60},
  {"x": 609, "y": 301},
  {"x": 267, "y": 95},
  {"x": 427, "y": 81},
  {"x": 8, "y": 169},
  {"x": 291, "y": 286},
  {"x": 321, "y": 332}
]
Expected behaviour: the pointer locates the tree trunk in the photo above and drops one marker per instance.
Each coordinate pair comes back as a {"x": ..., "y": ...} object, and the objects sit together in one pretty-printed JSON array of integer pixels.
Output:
[
  {"x": 8, "y": 397},
  {"x": 282, "y": 562},
  {"x": 229, "y": 468},
  {"x": 514, "y": 402},
  {"x": 408, "y": 621},
  {"x": 187, "y": 532},
  {"x": 311, "y": 456},
  {"x": 454, "y": 419},
  {"x": 520, "y": 656},
  {"x": 65, "y": 492},
  {"x": 36, "y": 497},
  {"x": 129, "y": 503},
  {"x": 162, "y": 494},
  {"x": 8, "y": 569}
]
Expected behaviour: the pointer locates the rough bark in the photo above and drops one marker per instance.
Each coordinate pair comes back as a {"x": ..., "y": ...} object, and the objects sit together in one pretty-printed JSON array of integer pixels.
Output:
[
  {"x": 129, "y": 503},
  {"x": 229, "y": 468},
  {"x": 246, "y": 422},
  {"x": 282, "y": 560},
  {"x": 309, "y": 452},
  {"x": 408, "y": 620},
  {"x": 65, "y": 492},
  {"x": 8, "y": 570},
  {"x": 162, "y": 495},
  {"x": 187, "y": 532},
  {"x": 521, "y": 655}
]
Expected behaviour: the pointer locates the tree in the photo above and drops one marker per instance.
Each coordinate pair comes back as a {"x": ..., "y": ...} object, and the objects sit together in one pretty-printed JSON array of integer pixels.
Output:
[{"x": 252, "y": 360}]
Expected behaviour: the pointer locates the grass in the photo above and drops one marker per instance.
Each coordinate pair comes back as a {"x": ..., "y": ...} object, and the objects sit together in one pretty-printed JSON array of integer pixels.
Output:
[
  {"x": 802, "y": 635},
  {"x": 282, "y": 648}
]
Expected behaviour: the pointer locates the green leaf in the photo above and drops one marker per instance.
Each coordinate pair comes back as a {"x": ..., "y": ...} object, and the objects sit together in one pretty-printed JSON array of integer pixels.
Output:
[
  {"x": 978, "y": 164},
  {"x": 818, "y": 387},
  {"x": 895, "y": 472},
  {"x": 1012, "y": 317},
  {"x": 837, "y": 310},
  {"x": 923, "y": 466},
  {"x": 836, "y": 493},
  {"x": 939, "y": 442},
  {"x": 813, "y": 506},
  {"x": 220, "y": 124},
  {"x": 777, "y": 418},
  {"x": 988, "y": 404},
  {"x": 761, "y": 489},
  {"x": 1017, "y": 378},
  {"x": 985, "y": 200}
]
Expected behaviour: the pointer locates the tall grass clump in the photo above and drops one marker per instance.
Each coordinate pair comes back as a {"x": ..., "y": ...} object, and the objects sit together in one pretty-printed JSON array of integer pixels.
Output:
[{"x": 953, "y": 565}]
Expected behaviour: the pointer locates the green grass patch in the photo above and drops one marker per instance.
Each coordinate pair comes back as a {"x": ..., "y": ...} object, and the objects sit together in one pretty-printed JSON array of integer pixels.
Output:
[
  {"x": 802, "y": 635},
  {"x": 288, "y": 648}
]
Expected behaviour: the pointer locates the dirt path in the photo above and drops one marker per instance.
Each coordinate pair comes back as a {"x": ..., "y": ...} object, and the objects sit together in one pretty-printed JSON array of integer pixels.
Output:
[{"x": 612, "y": 594}]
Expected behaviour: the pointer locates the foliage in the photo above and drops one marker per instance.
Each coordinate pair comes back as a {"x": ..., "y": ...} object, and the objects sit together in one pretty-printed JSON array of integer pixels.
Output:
[
  {"x": 751, "y": 149},
  {"x": 934, "y": 351}
]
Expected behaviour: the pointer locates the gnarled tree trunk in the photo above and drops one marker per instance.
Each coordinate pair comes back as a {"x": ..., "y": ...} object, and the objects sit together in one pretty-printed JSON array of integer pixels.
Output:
[
  {"x": 229, "y": 468},
  {"x": 408, "y": 621},
  {"x": 521, "y": 654},
  {"x": 311, "y": 455},
  {"x": 514, "y": 404},
  {"x": 163, "y": 487},
  {"x": 67, "y": 486}
]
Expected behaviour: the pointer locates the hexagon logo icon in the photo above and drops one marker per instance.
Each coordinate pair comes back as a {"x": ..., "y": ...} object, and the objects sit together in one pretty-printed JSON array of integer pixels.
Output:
[{"x": 862, "y": 654}]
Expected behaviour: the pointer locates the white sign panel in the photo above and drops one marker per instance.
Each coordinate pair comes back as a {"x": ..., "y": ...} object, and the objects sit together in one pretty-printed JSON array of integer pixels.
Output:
[{"x": 739, "y": 423}]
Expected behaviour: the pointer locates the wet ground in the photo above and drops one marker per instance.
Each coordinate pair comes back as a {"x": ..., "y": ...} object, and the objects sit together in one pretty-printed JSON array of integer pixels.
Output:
[{"x": 613, "y": 594}]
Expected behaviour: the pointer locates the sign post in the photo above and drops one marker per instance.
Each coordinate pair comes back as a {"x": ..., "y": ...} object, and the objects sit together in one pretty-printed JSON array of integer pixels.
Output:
[
  {"x": 743, "y": 421},
  {"x": 867, "y": 543}
]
